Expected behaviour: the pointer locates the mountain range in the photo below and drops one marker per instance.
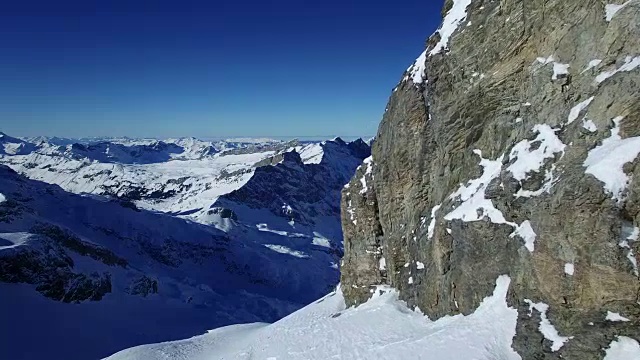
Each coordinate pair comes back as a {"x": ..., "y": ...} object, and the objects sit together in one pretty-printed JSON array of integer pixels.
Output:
[{"x": 152, "y": 241}]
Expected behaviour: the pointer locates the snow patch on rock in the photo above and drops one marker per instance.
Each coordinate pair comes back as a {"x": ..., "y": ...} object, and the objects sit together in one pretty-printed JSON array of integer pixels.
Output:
[
  {"x": 363, "y": 180},
  {"x": 456, "y": 15},
  {"x": 545, "y": 60},
  {"x": 549, "y": 180},
  {"x": 593, "y": 63},
  {"x": 630, "y": 234},
  {"x": 382, "y": 264},
  {"x": 352, "y": 212},
  {"x": 629, "y": 64},
  {"x": 475, "y": 205},
  {"x": 546, "y": 328},
  {"x": 623, "y": 348},
  {"x": 610, "y": 10},
  {"x": 576, "y": 110},
  {"x": 417, "y": 69},
  {"x": 569, "y": 269},
  {"x": 526, "y": 157},
  {"x": 525, "y": 231},
  {"x": 613, "y": 316},
  {"x": 560, "y": 70},
  {"x": 606, "y": 161},
  {"x": 589, "y": 125},
  {"x": 432, "y": 224}
]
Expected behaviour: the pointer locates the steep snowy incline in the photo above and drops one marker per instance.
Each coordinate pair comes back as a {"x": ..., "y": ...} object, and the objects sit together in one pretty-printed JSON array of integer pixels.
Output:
[{"x": 382, "y": 328}]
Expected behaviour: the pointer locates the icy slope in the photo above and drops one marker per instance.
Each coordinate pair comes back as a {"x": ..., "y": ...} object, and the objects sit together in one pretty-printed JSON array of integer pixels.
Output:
[{"x": 382, "y": 328}]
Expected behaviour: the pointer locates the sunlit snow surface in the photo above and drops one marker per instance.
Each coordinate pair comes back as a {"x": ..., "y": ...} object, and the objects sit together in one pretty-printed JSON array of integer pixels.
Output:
[
  {"x": 607, "y": 160},
  {"x": 311, "y": 154},
  {"x": 592, "y": 64},
  {"x": 204, "y": 178},
  {"x": 546, "y": 327},
  {"x": 629, "y": 65},
  {"x": 575, "y": 111},
  {"x": 382, "y": 328},
  {"x": 623, "y": 348},
  {"x": 455, "y": 16},
  {"x": 613, "y": 316}
]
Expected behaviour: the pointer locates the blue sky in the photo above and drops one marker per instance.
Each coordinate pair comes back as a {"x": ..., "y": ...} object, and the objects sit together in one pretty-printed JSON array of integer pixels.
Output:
[{"x": 205, "y": 68}]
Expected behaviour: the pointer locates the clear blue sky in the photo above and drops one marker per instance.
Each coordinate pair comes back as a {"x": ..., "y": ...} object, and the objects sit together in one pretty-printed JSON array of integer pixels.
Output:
[{"x": 205, "y": 68}]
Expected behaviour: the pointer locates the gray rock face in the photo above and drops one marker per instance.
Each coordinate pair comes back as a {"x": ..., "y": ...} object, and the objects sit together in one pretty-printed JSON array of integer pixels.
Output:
[
  {"x": 510, "y": 147},
  {"x": 363, "y": 263}
]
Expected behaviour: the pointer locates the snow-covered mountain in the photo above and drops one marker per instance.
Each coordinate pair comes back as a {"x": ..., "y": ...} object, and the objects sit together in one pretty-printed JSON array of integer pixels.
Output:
[
  {"x": 183, "y": 177},
  {"x": 13, "y": 146},
  {"x": 147, "y": 248}
]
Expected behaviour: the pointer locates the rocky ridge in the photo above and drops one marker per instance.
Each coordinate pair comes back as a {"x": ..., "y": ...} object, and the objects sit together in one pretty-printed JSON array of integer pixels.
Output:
[{"x": 510, "y": 148}]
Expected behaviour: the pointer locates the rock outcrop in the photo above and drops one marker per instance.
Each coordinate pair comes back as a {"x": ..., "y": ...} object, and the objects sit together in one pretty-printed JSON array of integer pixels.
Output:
[
  {"x": 45, "y": 264},
  {"x": 510, "y": 147}
]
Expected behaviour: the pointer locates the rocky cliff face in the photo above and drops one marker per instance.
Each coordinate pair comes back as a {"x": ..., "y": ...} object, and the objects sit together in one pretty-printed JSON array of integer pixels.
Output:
[{"x": 510, "y": 147}]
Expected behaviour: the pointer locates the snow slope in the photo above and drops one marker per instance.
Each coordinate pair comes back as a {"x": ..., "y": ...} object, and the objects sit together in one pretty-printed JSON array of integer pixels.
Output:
[{"x": 382, "y": 328}]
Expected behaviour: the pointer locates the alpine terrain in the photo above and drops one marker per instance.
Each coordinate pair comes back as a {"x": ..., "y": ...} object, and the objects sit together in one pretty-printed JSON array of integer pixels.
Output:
[
  {"x": 114, "y": 243},
  {"x": 499, "y": 214}
]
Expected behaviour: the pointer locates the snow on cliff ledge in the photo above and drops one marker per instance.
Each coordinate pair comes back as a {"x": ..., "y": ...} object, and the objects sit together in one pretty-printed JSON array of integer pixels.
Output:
[
  {"x": 606, "y": 161},
  {"x": 382, "y": 328},
  {"x": 456, "y": 15}
]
